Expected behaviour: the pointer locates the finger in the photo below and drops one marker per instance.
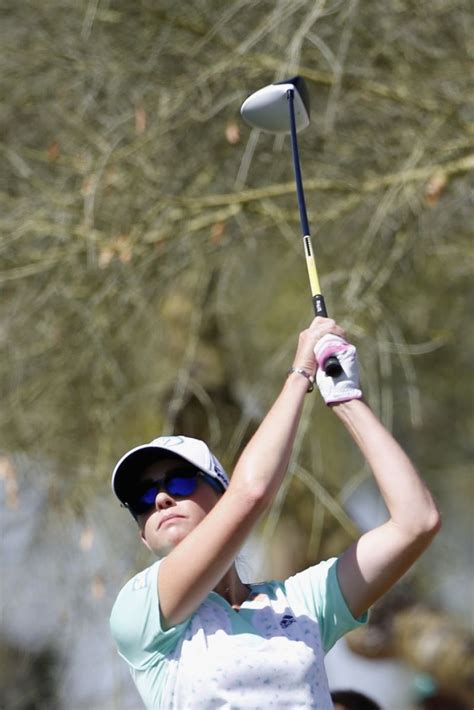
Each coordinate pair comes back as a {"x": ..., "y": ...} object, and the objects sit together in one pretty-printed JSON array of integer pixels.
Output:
[
  {"x": 320, "y": 321},
  {"x": 323, "y": 326},
  {"x": 339, "y": 331}
]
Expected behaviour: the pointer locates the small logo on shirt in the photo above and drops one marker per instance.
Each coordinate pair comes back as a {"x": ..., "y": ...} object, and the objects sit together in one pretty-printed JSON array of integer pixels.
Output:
[
  {"x": 286, "y": 621},
  {"x": 140, "y": 581}
]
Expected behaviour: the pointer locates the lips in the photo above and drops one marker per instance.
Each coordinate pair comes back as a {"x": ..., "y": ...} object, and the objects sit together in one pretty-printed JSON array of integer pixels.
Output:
[{"x": 170, "y": 516}]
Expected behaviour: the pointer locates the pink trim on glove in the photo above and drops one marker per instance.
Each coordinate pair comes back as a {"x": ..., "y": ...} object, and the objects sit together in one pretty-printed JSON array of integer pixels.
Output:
[
  {"x": 345, "y": 386},
  {"x": 330, "y": 348},
  {"x": 356, "y": 394}
]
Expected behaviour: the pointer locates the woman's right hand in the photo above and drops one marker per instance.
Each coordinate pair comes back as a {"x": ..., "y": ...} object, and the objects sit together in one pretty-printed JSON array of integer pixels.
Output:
[{"x": 308, "y": 340}]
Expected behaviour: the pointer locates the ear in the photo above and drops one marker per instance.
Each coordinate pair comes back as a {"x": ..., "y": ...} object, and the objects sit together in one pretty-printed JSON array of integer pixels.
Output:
[{"x": 143, "y": 539}]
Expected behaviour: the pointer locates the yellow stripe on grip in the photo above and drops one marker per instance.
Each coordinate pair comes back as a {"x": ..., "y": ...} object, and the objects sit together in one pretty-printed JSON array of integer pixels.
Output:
[{"x": 311, "y": 264}]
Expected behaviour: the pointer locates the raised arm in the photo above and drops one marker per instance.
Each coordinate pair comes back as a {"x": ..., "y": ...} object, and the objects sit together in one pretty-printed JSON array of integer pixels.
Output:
[
  {"x": 381, "y": 556},
  {"x": 198, "y": 563}
]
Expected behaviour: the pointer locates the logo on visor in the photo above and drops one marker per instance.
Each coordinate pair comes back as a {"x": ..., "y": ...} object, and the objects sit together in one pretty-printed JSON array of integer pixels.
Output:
[
  {"x": 219, "y": 471},
  {"x": 168, "y": 441}
]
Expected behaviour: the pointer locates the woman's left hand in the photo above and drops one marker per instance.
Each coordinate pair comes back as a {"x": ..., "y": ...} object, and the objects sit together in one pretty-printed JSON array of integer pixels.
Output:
[{"x": 304, "y": 357}]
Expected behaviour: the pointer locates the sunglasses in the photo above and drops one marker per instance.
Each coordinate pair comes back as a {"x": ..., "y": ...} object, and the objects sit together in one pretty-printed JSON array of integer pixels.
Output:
[{"x": 182, "y": 482}]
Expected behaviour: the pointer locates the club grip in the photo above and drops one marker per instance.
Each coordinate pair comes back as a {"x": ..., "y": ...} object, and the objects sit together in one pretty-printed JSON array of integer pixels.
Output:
[{"x": 332, "y": 366}]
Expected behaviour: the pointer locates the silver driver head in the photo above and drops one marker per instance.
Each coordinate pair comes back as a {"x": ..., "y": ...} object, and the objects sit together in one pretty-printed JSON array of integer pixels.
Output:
[{"x": 268, "y": 110}]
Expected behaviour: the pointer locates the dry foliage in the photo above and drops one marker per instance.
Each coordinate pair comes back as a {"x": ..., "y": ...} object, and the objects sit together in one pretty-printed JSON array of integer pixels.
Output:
[{"x": 152, "y": 273}]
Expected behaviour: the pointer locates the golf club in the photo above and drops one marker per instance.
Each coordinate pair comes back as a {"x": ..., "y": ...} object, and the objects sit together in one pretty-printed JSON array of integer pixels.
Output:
[{"x": 283, "y": 107}]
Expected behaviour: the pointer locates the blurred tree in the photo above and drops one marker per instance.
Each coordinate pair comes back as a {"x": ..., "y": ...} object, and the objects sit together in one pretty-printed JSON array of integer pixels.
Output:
[
  {"x": 425, "y": 638},
  {"x": 27, "y": 678},
  {"x": 151, "y": 270}
]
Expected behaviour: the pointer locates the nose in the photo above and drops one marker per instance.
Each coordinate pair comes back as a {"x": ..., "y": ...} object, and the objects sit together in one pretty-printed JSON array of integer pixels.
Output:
[{"x": 164, "y": 500}]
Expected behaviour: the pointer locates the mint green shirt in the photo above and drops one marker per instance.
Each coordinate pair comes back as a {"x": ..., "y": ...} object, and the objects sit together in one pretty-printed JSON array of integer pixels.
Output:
[{"x": 269, "y": 654}]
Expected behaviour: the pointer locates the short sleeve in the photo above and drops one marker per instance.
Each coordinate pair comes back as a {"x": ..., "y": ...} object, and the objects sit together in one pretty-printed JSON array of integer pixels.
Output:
[
  {"x": 135, "y": 622},
  {"x": 317, "y": 591}
]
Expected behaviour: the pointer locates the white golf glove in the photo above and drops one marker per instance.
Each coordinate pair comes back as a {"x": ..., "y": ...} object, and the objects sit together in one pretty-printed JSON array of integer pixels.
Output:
[{"x": 346, "y": 386}]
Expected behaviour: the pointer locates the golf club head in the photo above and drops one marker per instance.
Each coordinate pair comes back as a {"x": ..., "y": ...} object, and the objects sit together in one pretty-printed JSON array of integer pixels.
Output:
[{"x": 267, "y": 108}]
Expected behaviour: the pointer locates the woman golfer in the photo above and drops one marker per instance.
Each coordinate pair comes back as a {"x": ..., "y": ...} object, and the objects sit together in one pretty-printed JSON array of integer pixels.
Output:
[{"x": 193, "y": 634}]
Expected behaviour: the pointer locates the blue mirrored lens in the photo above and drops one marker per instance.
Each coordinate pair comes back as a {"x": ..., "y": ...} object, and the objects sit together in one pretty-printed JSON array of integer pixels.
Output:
[
  {"x": 145, "y": 501},
  {"x": 179, "y": 484},
  {"x": 148, "y": 497}
]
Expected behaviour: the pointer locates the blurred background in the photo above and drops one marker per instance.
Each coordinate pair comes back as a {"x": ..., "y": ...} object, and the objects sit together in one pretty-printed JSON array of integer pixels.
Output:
[{"x": 153, "y": 281}]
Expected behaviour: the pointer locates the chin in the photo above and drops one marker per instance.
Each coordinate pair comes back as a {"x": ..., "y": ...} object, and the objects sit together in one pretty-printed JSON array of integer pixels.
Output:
[{"x": 161, "y": 548}]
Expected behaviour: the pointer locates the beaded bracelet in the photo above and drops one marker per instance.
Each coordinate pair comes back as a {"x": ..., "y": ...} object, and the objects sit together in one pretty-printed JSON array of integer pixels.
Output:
[{"x": 300, "y": 371}]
